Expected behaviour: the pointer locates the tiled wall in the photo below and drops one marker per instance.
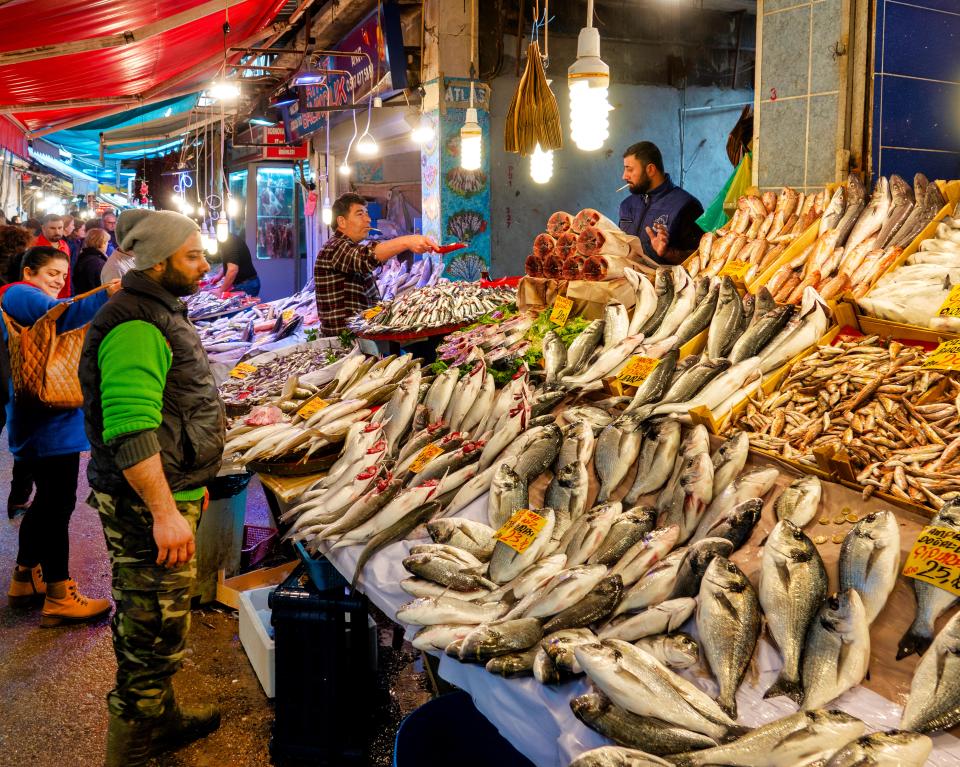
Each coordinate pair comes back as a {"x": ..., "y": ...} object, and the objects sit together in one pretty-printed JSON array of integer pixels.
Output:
[
  {"x": 798, "y": 92},
  {"x": 916, "y": 89}
]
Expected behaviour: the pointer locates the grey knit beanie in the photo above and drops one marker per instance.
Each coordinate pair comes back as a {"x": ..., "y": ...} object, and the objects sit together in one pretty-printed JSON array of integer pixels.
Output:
[{"x": 153, "y": 235}]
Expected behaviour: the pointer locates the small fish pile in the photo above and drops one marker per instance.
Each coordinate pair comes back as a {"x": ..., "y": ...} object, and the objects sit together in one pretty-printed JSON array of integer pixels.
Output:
[
  {"x": 913, "y": 292},
  {"x": 502, "y": 338},
  {"x": 871, "y": 399},
  {"x": 204, "y": 302},
  {"x": 395, "y": 276},
  {"x": 267, "y": 381},
  {"x": 435, "y": 306},
  {"x": 858, "y": 240},
  {"x": 588, "y": 246},
  {"x": 759, "y": 231}
]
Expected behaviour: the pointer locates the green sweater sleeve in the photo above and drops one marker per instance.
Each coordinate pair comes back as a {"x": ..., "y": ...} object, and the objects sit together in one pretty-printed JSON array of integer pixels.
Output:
[{"x": 134, "y": 360}]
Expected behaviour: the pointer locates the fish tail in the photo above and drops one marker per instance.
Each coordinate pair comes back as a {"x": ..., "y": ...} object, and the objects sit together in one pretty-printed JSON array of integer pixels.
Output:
[
  {"x": 684, "y": 760},
  {"x": 792, "y": 688},
  {"x": 734, "y": 732},
  {"x": 729, "y": 704},
  {"x": 916, "y": 640}
]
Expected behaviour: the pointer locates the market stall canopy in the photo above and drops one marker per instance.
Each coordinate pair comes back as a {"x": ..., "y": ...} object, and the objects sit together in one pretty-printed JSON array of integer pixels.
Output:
[
  {"x": 82, "y": 183},
  {"x": 86, "y": 61}
]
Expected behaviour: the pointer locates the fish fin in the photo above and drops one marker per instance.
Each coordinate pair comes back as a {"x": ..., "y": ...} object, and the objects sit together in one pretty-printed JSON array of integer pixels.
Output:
[
  {"x": 792, "y": 688},
  {"x": 729, "y": 706},
  {"x": 913, "y": 642},
  {"x": 733, "y": 733}
]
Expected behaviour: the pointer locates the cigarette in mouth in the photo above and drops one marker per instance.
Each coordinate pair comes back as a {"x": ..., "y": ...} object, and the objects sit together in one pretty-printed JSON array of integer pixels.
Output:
[{"x": 622, "y": 188}]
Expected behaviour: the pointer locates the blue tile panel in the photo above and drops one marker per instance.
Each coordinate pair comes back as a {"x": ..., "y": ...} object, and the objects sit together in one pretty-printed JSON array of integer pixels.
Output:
[{"x": 917, "y": 88}]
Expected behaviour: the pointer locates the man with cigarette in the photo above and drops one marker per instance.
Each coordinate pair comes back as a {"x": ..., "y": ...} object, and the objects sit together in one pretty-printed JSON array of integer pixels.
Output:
[{"x": 657, "y": 211}]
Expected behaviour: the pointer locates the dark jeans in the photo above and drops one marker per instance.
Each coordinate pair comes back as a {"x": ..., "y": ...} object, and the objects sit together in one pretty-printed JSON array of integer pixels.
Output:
[
  {"x": 44, "y": 532},
  {"x": 251, "y": 287},
  {"x": 21, "y": 485}
]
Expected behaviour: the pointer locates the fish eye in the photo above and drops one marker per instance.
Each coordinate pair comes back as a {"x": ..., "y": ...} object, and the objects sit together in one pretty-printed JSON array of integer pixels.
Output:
[
  {"x": 872, "y": 517},
  {"x": 834, "y": 602}
]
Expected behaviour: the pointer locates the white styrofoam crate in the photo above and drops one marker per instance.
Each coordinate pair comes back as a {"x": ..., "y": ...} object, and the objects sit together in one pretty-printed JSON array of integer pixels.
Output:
[{"x": 256, "y": 635}]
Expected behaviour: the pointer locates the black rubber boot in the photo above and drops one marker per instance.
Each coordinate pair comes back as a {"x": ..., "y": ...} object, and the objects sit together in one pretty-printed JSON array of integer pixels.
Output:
[
  {"x": 181, "y": 725},
  {"x": 129, "y": 743}
]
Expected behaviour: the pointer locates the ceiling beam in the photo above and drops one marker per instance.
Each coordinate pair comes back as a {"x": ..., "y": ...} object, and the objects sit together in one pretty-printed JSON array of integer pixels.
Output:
[
  {"x": 120, "y": 39},
  {"x": 173, "y": 133},
  {"x": 44, "y": 106}
]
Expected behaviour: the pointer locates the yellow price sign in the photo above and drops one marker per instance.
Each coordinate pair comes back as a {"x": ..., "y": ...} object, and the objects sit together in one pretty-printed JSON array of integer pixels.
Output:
[
  {"x": 369, "y": 314},
  {"x": 521, "y": 530},
  {"x": 242, "y": 370},
  {"x": 935, "y": 558},
  {"x": 951, "y": 307},
  {"x": 313, "y": 406},
  {"x": 288, "y": 315},
  {"x": 561, "y": 310},
  {"x": 945, "y": 357},
  {"x": 635, "y": 372},
  {"x": 736, "y": 270},
  {"x": 424, "y": 457}
]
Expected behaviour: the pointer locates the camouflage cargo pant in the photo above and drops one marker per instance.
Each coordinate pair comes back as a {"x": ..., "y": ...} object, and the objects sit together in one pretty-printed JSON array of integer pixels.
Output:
[{"x": 153, "y": 606}]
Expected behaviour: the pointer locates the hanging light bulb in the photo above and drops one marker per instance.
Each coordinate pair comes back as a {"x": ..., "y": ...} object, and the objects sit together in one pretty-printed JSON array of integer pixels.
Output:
[
  {"x": 201, "y": 213},
  {"x": 223, "y": 90},
  {"x": 344, "y": 169},
  {"x": 232, "y": 207},
  {"x": 326, "y": 212},
  {"x": 186, "y": 209},
  {"x": 367, "y": 145},
  {"x": 209, "y": 241},
  {"x": 223, "y": 227},
  {"x": 421, "y": 127},
  {"x": 471, "y": 142},
  {"x": 589, "y": 82},
  {"x": 541, "y": 165}
]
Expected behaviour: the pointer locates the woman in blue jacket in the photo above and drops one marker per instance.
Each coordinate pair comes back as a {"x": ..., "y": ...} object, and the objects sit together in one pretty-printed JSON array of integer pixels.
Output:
[{"x": 49, "y": 441}]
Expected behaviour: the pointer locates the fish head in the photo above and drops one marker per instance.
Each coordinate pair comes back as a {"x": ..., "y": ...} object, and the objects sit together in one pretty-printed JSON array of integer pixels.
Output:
[
  {"x": 681, "y": 649},
  {"x": 642, "y": 515},
  {"x": 842, "y": 612},
  {"x": 572, "y": 475},
  {"x": 590, "y": 705},
  {"x": 701, "y": 554},
  {"x": 723, "y": 575},
  {"x": 949, "y": 514},
  {"x": 441, "y": 530},
  {"x": 609, "y": 586},
  {"x": 834, "y": 724},
  {"x": 697, "y": 439},
  {"x": 790, "y": 542},
  {"x": 697, "y": 474},
  {"x": 728, "y": 291},
  {"x": 663, "y": 281},
  {"x": 912, "y": 747},
  {"x": 746, "y": 513},
  {"x": 878, "y": 526}
]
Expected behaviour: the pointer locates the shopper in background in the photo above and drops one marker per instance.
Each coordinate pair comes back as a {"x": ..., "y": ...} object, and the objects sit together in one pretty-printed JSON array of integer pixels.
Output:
[
  {"x": 74, "y": 233},
  {"x": 118, "y": 264},
  {"x": 657, "y": 211},
  {"x": 156, "y": 424},
  {"x": 86, "y": 273},
  {"x": 14, "y": 242},
  {"x": 108, "y": 221},
  {"x": 51, "y": 235},
  {"x": 49, "y": 441},
  {"x": 343, "y": 274},
  {"x": 238, "y": 270}
]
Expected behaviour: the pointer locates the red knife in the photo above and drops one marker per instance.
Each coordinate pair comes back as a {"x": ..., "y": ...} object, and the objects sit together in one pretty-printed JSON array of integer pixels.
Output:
[{"x": 450, "y": 248}]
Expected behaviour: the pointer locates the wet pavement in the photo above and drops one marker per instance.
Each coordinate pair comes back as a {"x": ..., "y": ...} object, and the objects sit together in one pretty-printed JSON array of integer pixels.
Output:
[{"x": 53, "y": 682}]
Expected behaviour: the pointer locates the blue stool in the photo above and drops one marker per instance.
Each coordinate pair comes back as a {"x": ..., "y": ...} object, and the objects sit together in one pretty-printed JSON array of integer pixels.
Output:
[{"x": 450, "y": 730}]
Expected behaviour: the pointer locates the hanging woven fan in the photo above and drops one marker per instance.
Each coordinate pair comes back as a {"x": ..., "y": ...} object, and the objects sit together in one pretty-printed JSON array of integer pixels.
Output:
[{"x": 533, "y": 117}]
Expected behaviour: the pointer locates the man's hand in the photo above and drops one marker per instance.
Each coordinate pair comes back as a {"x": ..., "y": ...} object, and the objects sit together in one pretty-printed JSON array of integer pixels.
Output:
[
  {"x": 112, "y": 287},
  {"x": 174, "y": 538},
  {"x": 659, "y": 238},
  {"x": 418, "y": 243}
]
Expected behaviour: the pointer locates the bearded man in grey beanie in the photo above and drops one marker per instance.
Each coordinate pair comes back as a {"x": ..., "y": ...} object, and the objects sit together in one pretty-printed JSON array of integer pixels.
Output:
[{"x": 156, "y": 429}]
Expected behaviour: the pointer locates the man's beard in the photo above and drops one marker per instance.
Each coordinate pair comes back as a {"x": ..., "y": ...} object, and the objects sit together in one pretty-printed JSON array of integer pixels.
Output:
[
  {"x": 178, "y": 284},
  {"x": 55, "y": 238},
  {"x": 642, "y": 186}
]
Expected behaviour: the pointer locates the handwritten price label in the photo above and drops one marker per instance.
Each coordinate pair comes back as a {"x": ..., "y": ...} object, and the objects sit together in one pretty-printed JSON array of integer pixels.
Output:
[
  {"x": 242, "y": 370},
  {"x": 313, "y": 406},
  {"x": 735, "y": 270},
  {"x": 945, "y": 357},
  {"x": 371, "y": 313},
  {"x": 637, "y": 370},
  {"x": 935, "y": 559},
  {"x": 951, "y": 307},
  {"x": 521, "y": 530},
  {"x": 288, "y": 315},
  {"x": 561, "y": 310},
  {"x": 424, "y": 457}
]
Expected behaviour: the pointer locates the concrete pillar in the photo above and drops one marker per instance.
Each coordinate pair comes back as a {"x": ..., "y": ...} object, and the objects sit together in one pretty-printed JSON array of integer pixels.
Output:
[{"x": 456, "y": 202}]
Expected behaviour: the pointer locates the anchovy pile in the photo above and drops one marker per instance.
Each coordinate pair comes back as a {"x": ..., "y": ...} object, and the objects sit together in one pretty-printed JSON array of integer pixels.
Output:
[
  {"x": 759, "y": 231},
  {"x": 436, "y": 306},
  {"x": 267, "y": 381},
  {"x": 858, "y": 239},
  {"x": 914, "y": 292}
]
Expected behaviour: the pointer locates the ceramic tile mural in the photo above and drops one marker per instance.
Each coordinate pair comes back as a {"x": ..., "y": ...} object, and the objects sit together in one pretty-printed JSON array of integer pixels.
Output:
[{"x": 916, "y": 89}]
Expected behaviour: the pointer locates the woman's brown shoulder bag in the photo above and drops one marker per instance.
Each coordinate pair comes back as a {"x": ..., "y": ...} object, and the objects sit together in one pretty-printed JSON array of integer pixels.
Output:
[{"x": 44, "y": 363}]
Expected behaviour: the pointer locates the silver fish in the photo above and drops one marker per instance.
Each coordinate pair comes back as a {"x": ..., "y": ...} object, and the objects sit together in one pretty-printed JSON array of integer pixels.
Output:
[
  {"x": 793, "y": 583},
  {"x": 694, "y": 495},
  {"x": 678, "y": 651},
  {"x": 763, "y": 330},
  {"x": 873, "y": 216},
  {"x": 629, "y": 528},
  {"x": 834, "y": 211},
  {"x": 895, "y": 748},
  {"x": 474, "y": 537},
  {"x": 617, "y": 448},
  {"x": 689, "y": 384},
  {"x": 420, "y": 587},
  {"x": 430, "y": 611},
  {"x": 699, "y": 319},
  {"x": 837, "y": 649},
  {"x": 595, "y": 606},
  {"x": 664, "y": 288},
  {"x": 445, "y": 573},
  {"x": 654, "y": 587},
  {"x": 735, "y": 525},
  {"x": 800, "y": 500},
  {"x": 727, "y": 323},
  {"x": 438, "y": 397},
  {"x": 528, "y": 581},
  {"x": 645, "y": 553},
  {"x": 615, "y": 756},
  {"x": 508, "y": 494},
  {"x": 728, "y": 623},
  {"x": 615, "y": 324},
  {"x": 694, "y": 563},
  {"x": 729, "y": 460},
  {"x": 870, "y": 560},
  {"x": 568, "y": 491},
  {"x": 658, "y": 454},
  {"x": 901, "y": 205},
  {"x": 684, "y": 301},
  {"x": 578, "y": 444},
  {"x": 554, "y": 356},
  {"x": 856, "y": 199},
  {"x": 646, "y": 300},
  {"x": 588, "y": 532},
  {"x": 513, "y": 664},
  {"x": 563, "y": 590},
  {"x": 491, "y": 639},
  {"x": 437, "y": 637},
  {"x": 663, "y": 618},
  {"x": 560, "y": 645},
  {"x": 763, "y": 303},
  {"x": 753, "y": 484},
  {"x": 506, "y": 563},
  {"x": 934, "y": 702},
  {"x": 538, "y": 452},
  {"x": 582, "y": 347},
  {"x": 655, "y": 385},
  {"x": 545, "y": 670}
]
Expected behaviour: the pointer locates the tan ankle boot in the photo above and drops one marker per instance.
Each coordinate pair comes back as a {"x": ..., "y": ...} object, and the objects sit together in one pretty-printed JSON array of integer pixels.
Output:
[
  {"x": 65, "y": 603},
  {"x": 26, "y": 587}
]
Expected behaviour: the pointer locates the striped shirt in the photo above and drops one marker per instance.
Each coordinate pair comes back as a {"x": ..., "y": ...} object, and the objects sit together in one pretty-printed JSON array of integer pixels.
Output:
[{"x": 343, "y": 279}]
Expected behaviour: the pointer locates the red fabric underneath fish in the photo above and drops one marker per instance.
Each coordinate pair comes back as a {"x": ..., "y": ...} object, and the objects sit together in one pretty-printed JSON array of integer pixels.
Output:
[
  {"x": 590, "y": 241},
  {"x": 544, "y": 245},
  {"x": 534, "y": 266},
  {"x": 553, "y": 267},
  {"x": 566, "y": 245},
  {"x": 573, "y": 267},
  {"x": 559, "y": 223},
  {"x": 586, "y": 217}
]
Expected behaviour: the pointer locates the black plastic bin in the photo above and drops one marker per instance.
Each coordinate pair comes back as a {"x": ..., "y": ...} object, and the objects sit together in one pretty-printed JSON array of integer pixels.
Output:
[{"x": 325, "y": 680}]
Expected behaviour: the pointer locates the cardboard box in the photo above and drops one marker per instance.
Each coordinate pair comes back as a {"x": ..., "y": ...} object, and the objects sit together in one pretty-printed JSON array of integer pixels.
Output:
[
  {"x": 229, "y": 589},
  {"x": 256, "y": 636}
]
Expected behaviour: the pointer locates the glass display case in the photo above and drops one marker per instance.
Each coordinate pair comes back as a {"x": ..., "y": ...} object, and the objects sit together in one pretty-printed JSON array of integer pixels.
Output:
[
  {"x": 276, "y": 188},
  {"x": 237, "y": 212}
]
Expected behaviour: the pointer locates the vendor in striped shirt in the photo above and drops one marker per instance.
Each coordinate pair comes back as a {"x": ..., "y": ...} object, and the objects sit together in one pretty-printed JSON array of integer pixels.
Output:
[{"x": 343, "y": 274}]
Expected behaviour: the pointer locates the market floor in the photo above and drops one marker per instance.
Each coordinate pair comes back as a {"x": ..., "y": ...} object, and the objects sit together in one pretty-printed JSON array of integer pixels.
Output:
[{"x": 53, "y": 682}]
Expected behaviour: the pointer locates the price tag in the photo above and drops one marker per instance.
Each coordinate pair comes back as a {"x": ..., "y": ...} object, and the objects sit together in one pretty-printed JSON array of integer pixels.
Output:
[
  {"x": 736, "y": 270},
  {"x": 935, "y": 559},
  {"x": 951, "y": 307},
  {"x": 636, "y": 370},
  {"x": 242, "y": 370},
  {"x": 945, "y": 357},
  {"x": 424, "y": 457},
  {"x": 313, "y": 406},
  {"x": 369, "y": 314},
  {"x": 521, "y": 530},
  {"x": 561, "y": 310},
  {"x": 288, "y": 315}
]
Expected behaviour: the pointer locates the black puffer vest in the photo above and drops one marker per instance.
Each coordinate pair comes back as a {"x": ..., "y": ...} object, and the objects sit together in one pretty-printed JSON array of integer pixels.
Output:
[{"x": 191, "y": 433}]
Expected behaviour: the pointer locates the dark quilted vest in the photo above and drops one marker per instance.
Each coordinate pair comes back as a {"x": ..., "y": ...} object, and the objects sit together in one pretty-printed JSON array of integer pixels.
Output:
[{"x": 191, "y": 433}]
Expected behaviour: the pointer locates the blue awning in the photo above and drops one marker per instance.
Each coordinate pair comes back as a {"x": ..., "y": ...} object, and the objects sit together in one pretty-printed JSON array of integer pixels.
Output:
[{"x": 82, "y": 183}]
